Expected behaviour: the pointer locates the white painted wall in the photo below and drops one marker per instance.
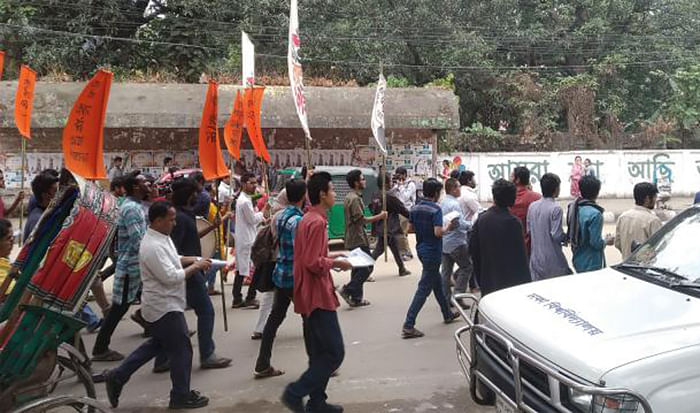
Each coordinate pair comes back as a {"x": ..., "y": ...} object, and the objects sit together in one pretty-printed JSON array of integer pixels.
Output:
[{"x": 619, "y": 171}]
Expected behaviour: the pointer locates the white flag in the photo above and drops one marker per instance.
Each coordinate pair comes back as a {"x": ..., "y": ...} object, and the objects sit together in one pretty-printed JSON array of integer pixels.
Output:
[
  {"x": 248, "y": 51},
  {"x": 296, "y": 74},
  {"x": 378, "y": 114}
]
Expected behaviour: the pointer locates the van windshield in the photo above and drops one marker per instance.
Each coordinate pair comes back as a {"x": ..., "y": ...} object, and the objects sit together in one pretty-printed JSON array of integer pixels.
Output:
[{"x": 674, "y": 249}]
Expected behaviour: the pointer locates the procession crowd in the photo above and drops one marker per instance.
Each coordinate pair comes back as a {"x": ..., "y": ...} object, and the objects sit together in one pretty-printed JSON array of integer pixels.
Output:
[{"x": 281, "y": 252}]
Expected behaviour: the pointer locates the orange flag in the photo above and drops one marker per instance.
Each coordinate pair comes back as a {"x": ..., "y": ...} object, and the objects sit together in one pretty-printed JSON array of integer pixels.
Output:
[
  {"x": 233, "y": 130},
  {"x": 83, "y": 136},
  {"x": 2, "y": 62},
  {"x": 210, "y": 157},
  {"x": 253, "y": 103},
  {"x": 24, "y": 101}
]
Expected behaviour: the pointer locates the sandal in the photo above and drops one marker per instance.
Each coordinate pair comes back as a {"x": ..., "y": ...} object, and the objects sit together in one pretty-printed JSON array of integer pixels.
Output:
[{"x": 268, "y": 372}]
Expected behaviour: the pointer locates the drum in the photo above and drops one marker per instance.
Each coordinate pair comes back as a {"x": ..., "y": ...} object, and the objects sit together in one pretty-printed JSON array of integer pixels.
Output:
[{"x": 208, "y": 242}]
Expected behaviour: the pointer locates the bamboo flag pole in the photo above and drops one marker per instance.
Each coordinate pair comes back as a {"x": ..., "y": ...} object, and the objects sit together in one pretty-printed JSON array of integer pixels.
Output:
[
  {"x": 386, "y": 219},
  {"x": 21, "y": 188}
]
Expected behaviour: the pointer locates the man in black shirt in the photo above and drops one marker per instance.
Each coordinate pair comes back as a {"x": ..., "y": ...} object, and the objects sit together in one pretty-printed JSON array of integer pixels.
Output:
[{"x": 186, "y": 240}]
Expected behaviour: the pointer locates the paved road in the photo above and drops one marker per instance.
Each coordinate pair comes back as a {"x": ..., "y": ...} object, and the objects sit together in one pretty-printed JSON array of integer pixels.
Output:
[{"x": 381, "y": 372}]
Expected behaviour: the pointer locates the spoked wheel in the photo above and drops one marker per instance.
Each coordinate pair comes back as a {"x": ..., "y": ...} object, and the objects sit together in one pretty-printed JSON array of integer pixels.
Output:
[{"x": 80, "y": 404}]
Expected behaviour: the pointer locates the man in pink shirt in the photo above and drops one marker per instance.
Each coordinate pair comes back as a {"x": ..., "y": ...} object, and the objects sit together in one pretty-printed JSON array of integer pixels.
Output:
[
  {"x": 523, "y": 198},
  {"x": 316, "y": 301}
]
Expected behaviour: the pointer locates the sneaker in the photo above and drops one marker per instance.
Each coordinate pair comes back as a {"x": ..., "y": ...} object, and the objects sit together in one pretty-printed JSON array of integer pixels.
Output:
[
  {"x": 237, "y": 304},
  {"x": 256, "y": 336},
  {"x": 452, "y": 318},
  {"x": 404, "y": 272},
  {"x": 360, "y": 303},
  {"x": 323, "y": 407},
  {"x": 114, "y": 389},
  {"x": 215, "y": 362},
  {"x": 407, "y": 333},
  {"x": 109, "y": 355},
  {"x": 194, "y": 401},
  {"x": 292, "y": 402}
]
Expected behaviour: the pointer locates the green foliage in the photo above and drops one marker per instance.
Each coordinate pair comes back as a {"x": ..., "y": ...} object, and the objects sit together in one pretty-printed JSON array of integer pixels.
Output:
[{"x": 508, "y": 61}]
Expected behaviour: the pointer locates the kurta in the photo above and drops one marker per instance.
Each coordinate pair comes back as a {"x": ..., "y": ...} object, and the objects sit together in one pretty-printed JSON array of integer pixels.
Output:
[
  {"x": 497, "y": 249},
  {"x": 544, "y": 221}
]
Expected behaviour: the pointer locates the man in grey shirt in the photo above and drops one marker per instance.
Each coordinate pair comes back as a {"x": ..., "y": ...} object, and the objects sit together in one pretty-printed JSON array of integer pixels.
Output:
[
  {"x": 163, "y": 306},
  {"x": 544, "y": 224}
]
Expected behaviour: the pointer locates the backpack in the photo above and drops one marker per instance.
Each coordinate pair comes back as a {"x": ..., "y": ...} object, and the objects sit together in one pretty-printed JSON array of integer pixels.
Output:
[{"x": 264, "y": 246}]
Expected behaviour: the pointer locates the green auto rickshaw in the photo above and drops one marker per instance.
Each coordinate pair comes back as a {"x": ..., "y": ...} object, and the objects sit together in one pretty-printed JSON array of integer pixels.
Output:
[{"x": 336, "y": 216}]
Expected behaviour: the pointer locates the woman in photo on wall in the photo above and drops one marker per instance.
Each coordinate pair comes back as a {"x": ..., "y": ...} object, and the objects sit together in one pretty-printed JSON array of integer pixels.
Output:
[{"x": 577, "y": 171}]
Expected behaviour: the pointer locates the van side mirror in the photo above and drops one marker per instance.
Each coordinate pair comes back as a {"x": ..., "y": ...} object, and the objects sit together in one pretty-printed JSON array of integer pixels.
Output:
[{"x": 635, "y": 245}]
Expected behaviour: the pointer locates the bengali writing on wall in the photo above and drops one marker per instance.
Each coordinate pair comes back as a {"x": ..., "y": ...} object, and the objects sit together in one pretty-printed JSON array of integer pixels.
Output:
[{"x": 618, "y": 171}]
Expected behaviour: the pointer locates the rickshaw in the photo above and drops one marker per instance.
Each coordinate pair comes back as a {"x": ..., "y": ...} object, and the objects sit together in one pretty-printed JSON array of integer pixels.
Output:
[
  {"x": 336, "y": 216},
  {"x": 41, "y": 365}
]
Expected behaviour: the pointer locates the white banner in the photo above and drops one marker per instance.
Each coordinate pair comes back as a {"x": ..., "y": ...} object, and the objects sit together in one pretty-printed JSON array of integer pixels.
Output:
[
  {"x": 248, "y": 52},
  {"x": 296, "y": 74},
  {"x": 378, "y": 114}
]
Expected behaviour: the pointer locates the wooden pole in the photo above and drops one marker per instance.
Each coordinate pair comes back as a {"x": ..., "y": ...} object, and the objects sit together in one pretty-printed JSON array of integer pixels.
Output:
[
  {"x": 217, "y": 222},
  {"x": 309, "y": 165},
  {"x": 20, "y": 241},
  {"x": 386, "y": 220}
]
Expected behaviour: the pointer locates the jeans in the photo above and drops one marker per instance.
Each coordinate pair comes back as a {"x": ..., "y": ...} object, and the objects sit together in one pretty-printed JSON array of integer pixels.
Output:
[
  {"x": 393, "y": 244},
  {"x": 170, "y": 337},
  {"x": 324, "y": 344},
  {"x": 114, "y": 316},
  {"x": 358, "y": 276},
  {"x": 430, "y": 281},
  {"x": 280, "y": 304},
  {"x": 461, "y": 257},
  {"x": 87, "y": 315},
  {"x": 238, "y": 288}
]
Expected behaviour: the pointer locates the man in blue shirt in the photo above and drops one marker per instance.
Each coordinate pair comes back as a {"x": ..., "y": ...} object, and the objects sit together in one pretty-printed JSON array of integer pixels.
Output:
[
  {"x": 454, "y": 244},
  {"x": 585, "y": 221},
  {"x": 426, "y": 219},
  {"x": 285, "y": 226}
]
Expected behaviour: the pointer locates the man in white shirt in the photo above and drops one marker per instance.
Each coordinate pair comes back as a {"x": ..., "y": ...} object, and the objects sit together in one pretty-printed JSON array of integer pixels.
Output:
[
  {"x": 468, "y": 198},
  {"x": 247, "y": 221},
  {"x": 162, "y": 306},
  {"x": 640, "y": 222},
  {"x": 406, "y": 191}
]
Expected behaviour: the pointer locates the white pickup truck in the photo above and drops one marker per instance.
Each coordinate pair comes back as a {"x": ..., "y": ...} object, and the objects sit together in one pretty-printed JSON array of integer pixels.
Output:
[{"x": 624, "y": 339}]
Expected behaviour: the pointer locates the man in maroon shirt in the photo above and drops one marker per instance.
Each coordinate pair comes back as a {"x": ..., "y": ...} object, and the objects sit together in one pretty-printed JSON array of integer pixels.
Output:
[
  {"x": 315, "y": 300},
  {"x": 523, "y": 198}
]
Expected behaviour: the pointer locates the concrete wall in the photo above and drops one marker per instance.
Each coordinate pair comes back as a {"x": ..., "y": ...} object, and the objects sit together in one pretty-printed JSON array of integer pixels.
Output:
[{"x": 619, "y": 171}]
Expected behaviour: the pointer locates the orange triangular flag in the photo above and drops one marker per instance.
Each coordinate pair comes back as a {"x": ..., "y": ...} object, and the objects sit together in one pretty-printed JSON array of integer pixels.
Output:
[
  {"x": 83, "y": 136},
  {"x": 253, "y": 104},
  {"x": 2, "y": 62},
  {"x": 233, "y": 130},
  {"x": 210, "y": 157},
  {"x": 24, "y": 101}
]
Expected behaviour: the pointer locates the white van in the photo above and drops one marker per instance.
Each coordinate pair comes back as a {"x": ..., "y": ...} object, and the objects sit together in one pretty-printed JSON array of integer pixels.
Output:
[{"x": 623, "y": 339}]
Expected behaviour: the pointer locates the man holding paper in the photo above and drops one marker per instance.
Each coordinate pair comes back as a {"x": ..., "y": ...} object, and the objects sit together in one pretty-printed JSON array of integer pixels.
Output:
[
  {"x": 454, "y": 243},
  {"x": 315, "y": 300},
  {"x": 356, "y": 237}
]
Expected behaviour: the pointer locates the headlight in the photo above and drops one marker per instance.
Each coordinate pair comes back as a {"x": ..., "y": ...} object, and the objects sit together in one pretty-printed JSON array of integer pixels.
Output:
[
  {"x": 615, "y": 404},
  {"x": 587, "y": 403}
]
